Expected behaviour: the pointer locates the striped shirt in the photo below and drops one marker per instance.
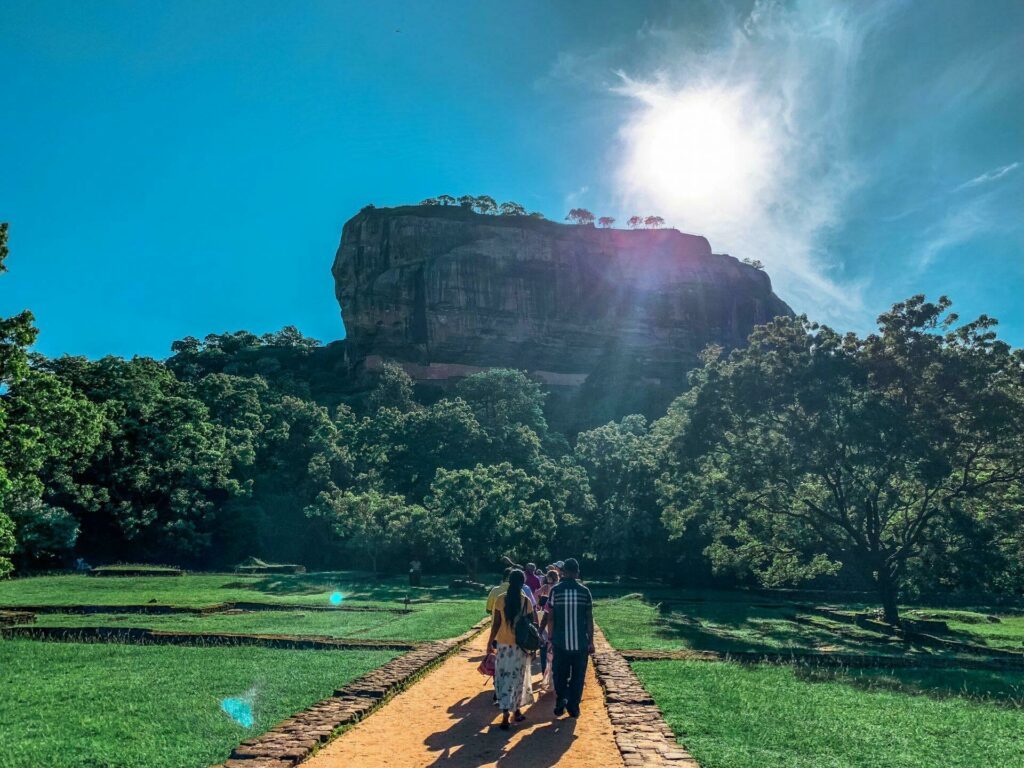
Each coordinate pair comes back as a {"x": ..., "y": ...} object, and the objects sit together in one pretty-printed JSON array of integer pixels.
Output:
[{"x": 570, "y": 606}]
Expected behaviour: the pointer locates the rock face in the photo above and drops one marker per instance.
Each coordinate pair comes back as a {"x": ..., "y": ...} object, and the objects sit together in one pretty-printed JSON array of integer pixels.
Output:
[{"x": 442, "y": 288}]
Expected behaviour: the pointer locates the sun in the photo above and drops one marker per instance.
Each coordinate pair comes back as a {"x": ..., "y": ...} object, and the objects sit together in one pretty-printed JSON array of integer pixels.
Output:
[{"x": 696, "y": 153}]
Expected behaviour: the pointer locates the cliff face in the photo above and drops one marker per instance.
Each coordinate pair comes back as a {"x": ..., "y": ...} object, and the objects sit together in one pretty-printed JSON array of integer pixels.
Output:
[{"x": 440, "y": 287}]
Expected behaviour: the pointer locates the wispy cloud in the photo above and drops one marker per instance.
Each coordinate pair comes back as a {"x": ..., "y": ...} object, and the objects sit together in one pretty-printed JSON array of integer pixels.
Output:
[
  {"x": 989, "y": 176},
  {"x": 790, "y": 68},
  {"x": 960, "y": 226}
]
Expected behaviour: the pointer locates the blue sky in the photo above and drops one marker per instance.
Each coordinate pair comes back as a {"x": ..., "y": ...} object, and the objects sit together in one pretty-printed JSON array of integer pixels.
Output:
[{"x": 177, "y": 168}]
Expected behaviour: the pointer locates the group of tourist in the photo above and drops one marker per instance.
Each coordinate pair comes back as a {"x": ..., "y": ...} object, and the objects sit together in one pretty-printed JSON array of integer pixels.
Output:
[{"x": 561, "y": 608}]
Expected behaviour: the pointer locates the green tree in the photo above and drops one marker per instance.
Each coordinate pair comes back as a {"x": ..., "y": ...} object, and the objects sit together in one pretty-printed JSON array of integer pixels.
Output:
[
  {"x": 372, "y": 523},
  {"x": 580, "y": 216},
  {"x": 622, "y": 463},
  {"x": 809, "y": 450},
  {"x": 511, "y": 209},
  {"x": 485, "y": 204},
  {"x": 491, "y": 511},
  {"x": 17, "y": 334},
  {"x": 393, "y": 390}
]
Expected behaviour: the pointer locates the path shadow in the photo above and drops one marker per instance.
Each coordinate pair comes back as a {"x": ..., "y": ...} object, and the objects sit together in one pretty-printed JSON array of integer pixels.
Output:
[{"x": 475, "y": 737}]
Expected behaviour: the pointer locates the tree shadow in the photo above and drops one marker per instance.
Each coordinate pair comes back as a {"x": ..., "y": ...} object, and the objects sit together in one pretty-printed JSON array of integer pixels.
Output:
[
  {"x": 355, "y": 585},
  {"x": 1003, "y": 688}
]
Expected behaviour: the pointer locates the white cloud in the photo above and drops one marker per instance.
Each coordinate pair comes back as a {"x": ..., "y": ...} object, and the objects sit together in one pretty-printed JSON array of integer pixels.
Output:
[
  {"x": 989, "y": 176},
  {"x": 766, "y": 99}
]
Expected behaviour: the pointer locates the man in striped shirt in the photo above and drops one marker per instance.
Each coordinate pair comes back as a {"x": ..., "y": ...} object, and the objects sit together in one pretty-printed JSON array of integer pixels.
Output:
[{"x": 569, "y": 617}]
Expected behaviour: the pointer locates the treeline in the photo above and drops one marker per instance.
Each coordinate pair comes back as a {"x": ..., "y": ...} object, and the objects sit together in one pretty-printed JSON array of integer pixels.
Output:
[{"x": 892, "y": 462}]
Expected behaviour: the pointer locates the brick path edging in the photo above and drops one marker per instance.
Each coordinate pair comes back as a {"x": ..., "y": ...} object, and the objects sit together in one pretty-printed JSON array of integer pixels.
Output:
[
  {"x": 643, "y": 737},
  {"x": 290, "y": 742}
]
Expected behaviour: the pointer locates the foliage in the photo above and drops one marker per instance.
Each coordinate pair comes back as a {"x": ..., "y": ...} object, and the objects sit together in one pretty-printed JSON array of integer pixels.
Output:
[
  {"x": 755, "y": 263},
  {"x": 635, "y": 222},
  {"x": 808, "y": 451},
  {"x": 654, "y": 222},
  {"x": 605, "y": 221},
  {"x": 491, "y": 511},
  {"x": 511, "y": 208},
  {"x": 17, "y": 334},
  {"x": 580, "y": 216},
  {"x": 370, "y": 522},
  {"x": 621, "y": 461}
]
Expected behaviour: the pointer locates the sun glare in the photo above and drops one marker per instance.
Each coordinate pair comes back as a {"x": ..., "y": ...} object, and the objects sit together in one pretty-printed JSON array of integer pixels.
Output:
[{"x": 695, "y": 153}]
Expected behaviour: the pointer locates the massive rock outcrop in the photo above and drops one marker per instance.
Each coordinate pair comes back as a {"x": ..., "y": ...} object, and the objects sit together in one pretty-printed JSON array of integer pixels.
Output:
[{"x": 445, "y": 291}]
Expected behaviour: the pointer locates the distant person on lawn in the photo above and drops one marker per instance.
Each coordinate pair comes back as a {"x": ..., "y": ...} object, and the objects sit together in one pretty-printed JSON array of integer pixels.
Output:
[
  {"x": 569, "y": 618},
  {"x": 512, "y": 664}
]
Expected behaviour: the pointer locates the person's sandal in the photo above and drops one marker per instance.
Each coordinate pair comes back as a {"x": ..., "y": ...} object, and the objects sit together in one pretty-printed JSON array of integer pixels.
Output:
[{"x": 520, "y": 717}]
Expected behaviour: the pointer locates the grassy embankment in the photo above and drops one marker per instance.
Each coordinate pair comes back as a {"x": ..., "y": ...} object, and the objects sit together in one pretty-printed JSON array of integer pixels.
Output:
[{"x": 767, "y": 716}]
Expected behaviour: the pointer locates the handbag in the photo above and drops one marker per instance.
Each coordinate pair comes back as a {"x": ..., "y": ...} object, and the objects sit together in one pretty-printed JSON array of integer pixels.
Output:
[
  {"x": 527, "y": 634},
  {"x": 487, "y": 666}
]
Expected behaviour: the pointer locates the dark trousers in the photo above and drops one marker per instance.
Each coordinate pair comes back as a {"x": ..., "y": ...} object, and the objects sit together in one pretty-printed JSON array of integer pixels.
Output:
[{"x": 568, "y": 673}]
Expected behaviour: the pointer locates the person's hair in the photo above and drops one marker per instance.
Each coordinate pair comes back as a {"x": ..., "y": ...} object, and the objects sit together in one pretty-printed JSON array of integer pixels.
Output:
[
  {"x": 551, "y": 576},
  {"x": 514, "y": 596},
  {"x": 508, "y": 572},
  {"x": 571, "y": 566}
]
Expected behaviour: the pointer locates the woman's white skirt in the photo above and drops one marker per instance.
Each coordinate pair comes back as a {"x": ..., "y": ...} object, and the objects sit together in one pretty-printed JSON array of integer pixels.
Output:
[{"x": 512, "y": 679}]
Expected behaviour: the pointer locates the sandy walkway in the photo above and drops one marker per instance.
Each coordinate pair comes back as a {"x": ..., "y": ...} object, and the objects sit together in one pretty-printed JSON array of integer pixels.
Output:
[{"x": 448, "y": 719}]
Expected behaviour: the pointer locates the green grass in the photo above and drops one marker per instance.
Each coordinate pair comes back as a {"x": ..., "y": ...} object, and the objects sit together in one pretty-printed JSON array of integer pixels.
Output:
[
  {"x": 781, "y": 717},
  {"x": 204, "y": 589},
  {"x": 114, "y": 705},
  {"x": 729, "y": 622},
  {"x": 434, "y": 621},
  {"x": 1007, "y": 632}
]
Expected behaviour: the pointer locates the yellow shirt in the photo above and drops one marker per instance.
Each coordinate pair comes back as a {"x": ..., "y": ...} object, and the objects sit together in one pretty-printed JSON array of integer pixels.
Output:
[
  {"x": 494, "y": 594},
  {"x": 506, "y": 634}
]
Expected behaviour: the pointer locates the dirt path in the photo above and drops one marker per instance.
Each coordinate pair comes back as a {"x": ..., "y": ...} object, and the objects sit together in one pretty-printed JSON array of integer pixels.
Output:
[{"x": 448, "y": 719}]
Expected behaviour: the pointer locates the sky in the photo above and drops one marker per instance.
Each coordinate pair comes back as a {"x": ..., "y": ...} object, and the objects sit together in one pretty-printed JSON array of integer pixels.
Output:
[{"x": 182, "y": 168}]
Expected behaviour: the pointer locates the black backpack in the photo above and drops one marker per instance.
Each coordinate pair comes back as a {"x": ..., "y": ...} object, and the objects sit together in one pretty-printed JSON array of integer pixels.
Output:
[{"x": 527, "y": 634}]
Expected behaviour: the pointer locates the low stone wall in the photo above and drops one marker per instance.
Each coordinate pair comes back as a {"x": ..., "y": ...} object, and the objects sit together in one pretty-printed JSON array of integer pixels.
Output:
[
  {"x": 201, "y": 610},
  {"x": 298, "y": 737},
  {"x": 641, "y": 733},
  {"x": 139, "y": 636},
  {"x": 834, "y": 660},
  {"x": 10, "y": 618}
]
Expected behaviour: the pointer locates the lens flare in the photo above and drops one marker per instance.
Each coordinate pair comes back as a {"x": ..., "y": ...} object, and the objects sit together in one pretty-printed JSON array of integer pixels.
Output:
[
  {"x": 336, "y": 598},
  {"x": 239, "y": 709}
]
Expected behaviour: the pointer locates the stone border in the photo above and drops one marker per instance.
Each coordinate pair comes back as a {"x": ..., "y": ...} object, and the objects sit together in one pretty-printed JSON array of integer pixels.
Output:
[
  {"x": 137, "y": 636},
  {"x": 298, "y": 737},
  {"x": 200, "y": 610},
  {"x": 850, "y": 660},
  {"x": 641, "y": 733},
  {"x": 10, "y": 618}
]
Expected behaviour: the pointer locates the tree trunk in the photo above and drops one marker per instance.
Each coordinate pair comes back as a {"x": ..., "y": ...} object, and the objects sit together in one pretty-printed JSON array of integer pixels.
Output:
[{"x": 889, "y": 597}]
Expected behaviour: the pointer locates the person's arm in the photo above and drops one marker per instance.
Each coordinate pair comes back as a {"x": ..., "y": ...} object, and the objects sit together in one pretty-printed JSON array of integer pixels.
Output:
[{"x": 495, "y": 626}]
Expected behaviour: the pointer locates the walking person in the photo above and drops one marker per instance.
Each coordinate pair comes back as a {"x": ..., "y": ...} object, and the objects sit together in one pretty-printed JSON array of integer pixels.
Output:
[
  {"x": 512, "y": 664},
  {"x": 569, "y": 617},
  {"x": 546, "y": 651}
]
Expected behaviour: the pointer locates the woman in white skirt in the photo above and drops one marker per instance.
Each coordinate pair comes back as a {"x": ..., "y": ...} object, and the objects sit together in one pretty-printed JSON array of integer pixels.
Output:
[{"x": 512, "y": 680}]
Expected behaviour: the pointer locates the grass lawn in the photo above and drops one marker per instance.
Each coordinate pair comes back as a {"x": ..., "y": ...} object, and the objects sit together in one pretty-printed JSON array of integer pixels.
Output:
[
  {"x": 784, "y": 717},
  {"x": 995, "y": 630},
  {"x": 203, "y": 589},
  {"x": 730, "y": 622},
  {"x": 114, "y": 705},
  {"x": 433, "y": 621}
]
